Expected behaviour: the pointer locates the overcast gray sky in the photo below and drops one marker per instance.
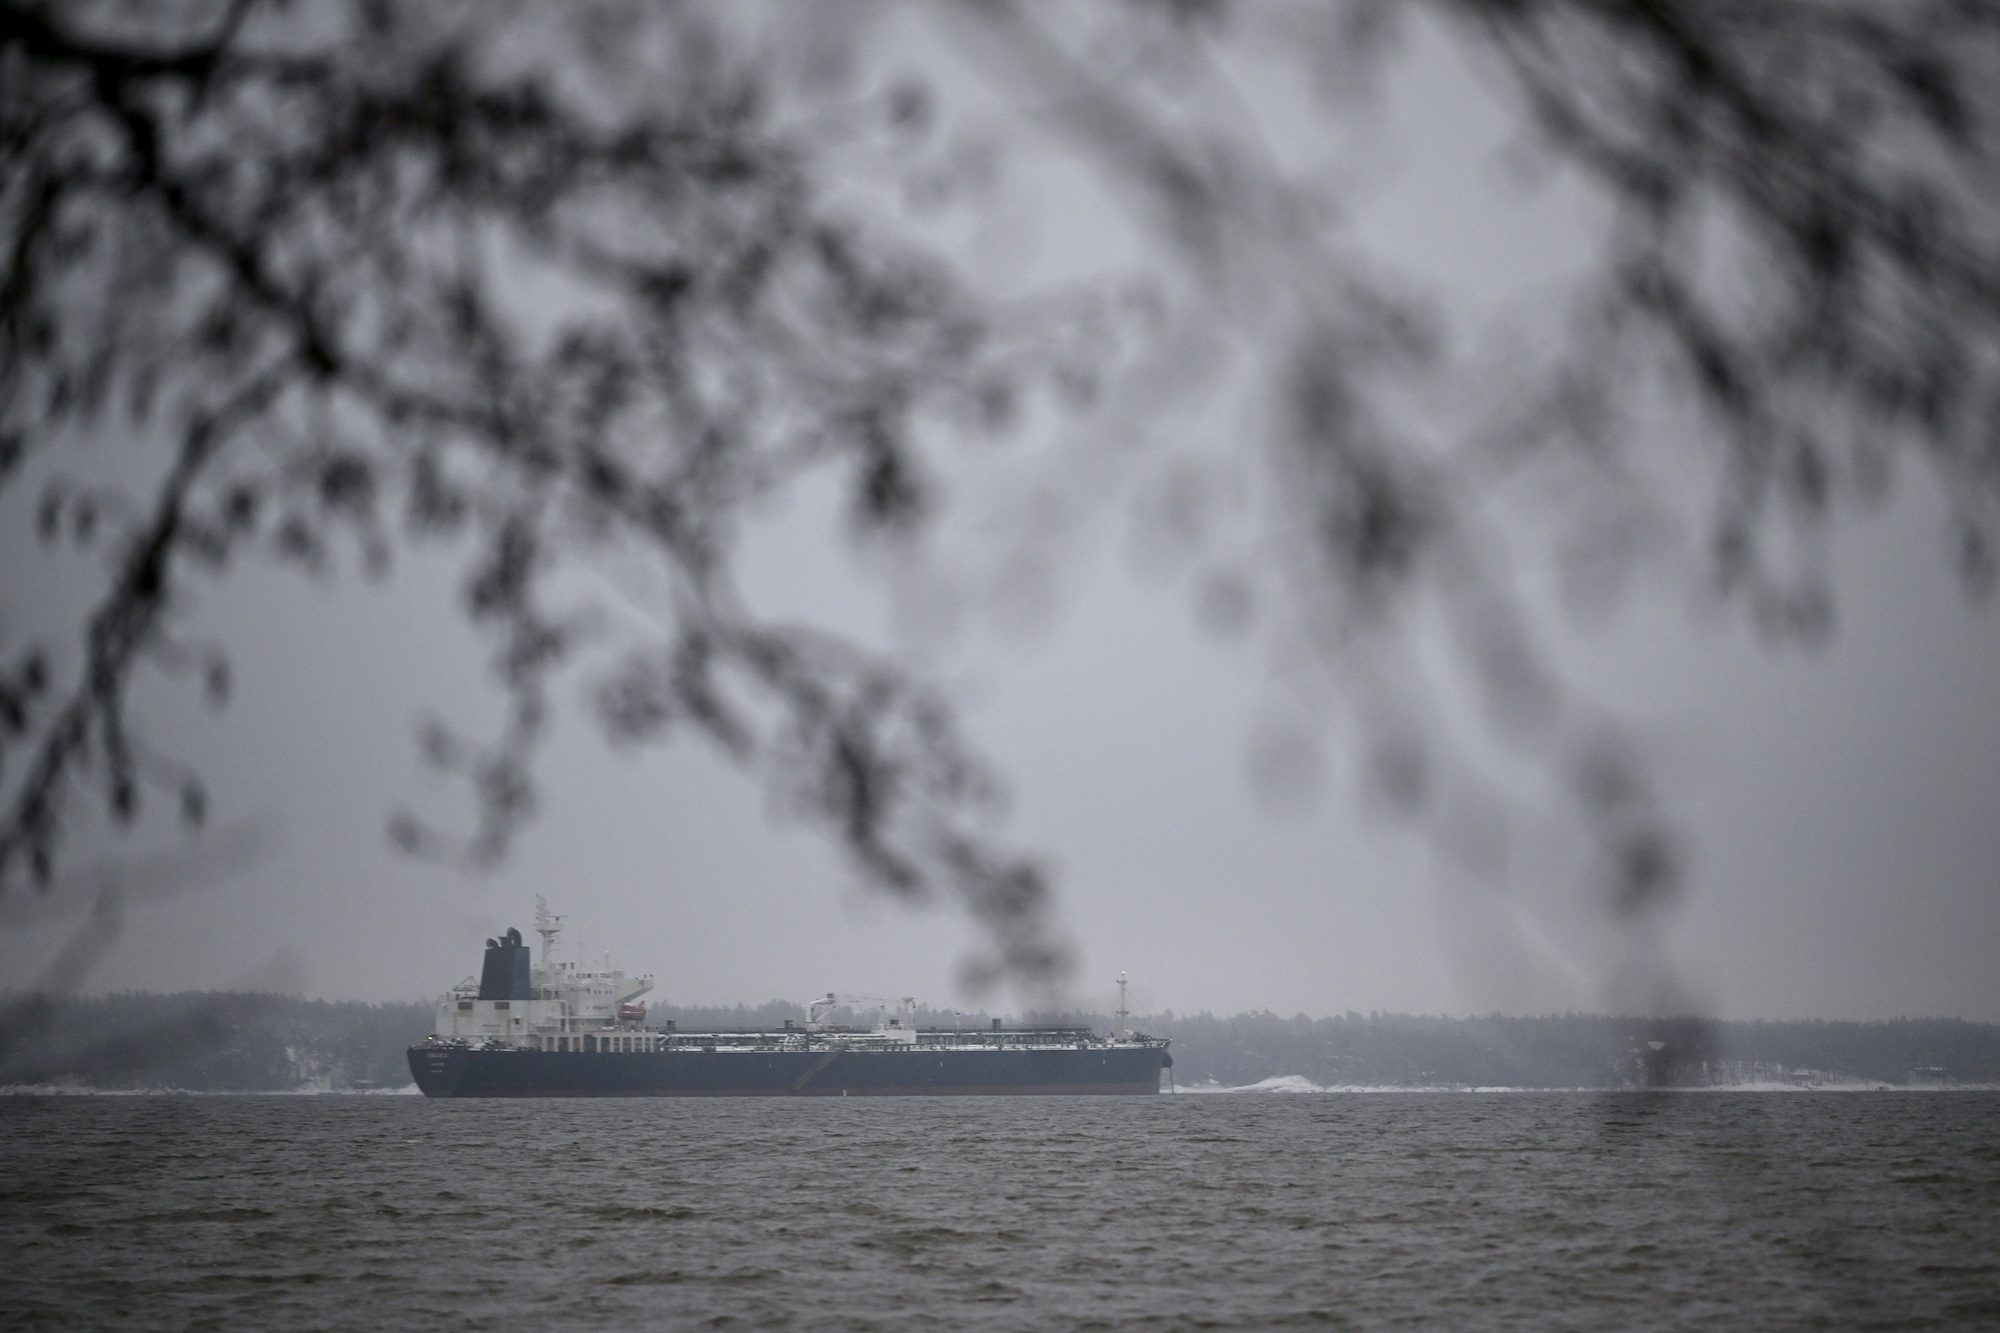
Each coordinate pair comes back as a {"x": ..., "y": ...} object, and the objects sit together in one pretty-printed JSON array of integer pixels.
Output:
[{"x": 1843, "y": 804}]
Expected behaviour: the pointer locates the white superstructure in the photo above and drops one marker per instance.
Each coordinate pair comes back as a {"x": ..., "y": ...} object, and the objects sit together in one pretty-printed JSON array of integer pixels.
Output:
[{"x": 568, "y": 1007}]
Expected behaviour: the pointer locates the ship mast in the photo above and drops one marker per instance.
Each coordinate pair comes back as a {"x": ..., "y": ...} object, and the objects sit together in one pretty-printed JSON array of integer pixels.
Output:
[
  {"x": 548, "y": 925},
  {"x": 1124, "y": 1032}
]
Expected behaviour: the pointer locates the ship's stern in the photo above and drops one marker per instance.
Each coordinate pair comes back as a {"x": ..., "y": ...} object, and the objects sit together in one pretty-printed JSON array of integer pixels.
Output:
[{"x": 438, "y": 1069}]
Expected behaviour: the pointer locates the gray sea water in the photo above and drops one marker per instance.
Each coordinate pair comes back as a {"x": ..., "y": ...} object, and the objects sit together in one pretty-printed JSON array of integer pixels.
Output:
[{"x": 1458, "y": 1209}]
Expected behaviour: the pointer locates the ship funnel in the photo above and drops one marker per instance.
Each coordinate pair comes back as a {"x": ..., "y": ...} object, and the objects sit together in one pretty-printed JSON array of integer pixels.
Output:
[{"x": 505, "y": 974}]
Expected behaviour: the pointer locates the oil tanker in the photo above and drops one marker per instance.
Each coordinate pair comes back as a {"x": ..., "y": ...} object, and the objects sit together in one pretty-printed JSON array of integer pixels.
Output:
[{"x": 562, "y": 1030}]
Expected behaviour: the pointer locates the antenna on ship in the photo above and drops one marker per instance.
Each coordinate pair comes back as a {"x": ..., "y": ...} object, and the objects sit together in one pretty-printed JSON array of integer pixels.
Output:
[
  {"x": 548, "y": 925},
  {"x": 1124, "y": 1032}
]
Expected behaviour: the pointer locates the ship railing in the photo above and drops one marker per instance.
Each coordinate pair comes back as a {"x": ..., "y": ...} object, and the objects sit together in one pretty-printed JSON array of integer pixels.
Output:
[
  {"x": 929, "y": 1039},
  {"x": 871, "y": 1041}
]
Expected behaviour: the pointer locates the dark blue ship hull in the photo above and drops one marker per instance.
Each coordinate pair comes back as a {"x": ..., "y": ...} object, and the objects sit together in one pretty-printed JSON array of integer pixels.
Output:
[{"x": 461, "y": 1071}]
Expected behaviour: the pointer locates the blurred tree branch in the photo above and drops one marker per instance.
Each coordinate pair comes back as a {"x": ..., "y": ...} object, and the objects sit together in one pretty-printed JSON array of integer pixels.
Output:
[
  {"x": 300, "y": 243},
  {"x": 563, "y": 282}
]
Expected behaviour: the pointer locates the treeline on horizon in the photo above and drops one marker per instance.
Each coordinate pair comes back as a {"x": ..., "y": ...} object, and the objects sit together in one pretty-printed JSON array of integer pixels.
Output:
[{"x": 242, "y": 1042}]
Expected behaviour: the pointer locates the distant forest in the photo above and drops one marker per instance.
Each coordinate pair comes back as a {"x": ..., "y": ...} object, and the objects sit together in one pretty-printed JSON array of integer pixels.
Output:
[{"x": 235, "y": 1042}]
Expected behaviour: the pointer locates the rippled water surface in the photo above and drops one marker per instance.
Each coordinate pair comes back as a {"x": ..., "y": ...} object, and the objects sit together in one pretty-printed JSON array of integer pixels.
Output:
[{"x": 1508, "y": 1208}]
